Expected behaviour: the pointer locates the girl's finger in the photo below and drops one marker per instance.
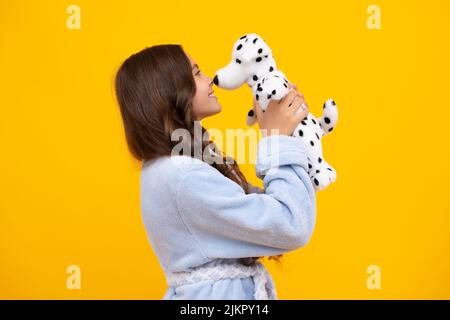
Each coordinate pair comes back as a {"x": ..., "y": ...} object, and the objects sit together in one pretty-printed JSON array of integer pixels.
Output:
[
  {"x": 302, "y": 111},
  {"x": 289, "y": 98},
  {"x": 291, "y": 85},
  {"x": 296, "y": 104}
]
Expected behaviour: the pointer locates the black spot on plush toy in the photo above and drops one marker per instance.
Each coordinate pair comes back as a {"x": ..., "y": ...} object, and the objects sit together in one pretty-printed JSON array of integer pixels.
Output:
[{"x": 253, "y": 63}]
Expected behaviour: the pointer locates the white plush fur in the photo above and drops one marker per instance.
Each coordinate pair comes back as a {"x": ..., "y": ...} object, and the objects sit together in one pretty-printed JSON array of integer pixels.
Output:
[{"x": 253, "y": 63}]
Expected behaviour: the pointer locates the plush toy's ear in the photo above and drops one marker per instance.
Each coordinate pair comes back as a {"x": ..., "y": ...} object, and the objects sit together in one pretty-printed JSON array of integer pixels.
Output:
[{"x": 251, "y": 117}]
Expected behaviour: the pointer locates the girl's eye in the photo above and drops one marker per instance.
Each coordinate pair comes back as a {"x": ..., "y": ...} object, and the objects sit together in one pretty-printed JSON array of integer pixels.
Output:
[{"x": 198, "y": 72}]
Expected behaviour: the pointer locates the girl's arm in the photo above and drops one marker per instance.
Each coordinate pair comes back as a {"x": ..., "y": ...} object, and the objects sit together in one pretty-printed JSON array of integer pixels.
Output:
[{"x": 227, "y": 223}]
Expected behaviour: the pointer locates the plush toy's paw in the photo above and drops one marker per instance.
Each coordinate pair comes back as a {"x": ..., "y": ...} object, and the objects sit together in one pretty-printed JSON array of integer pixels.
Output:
[
  {"x": 329, "y": 118},
  {"x": 322, "y": 177}
]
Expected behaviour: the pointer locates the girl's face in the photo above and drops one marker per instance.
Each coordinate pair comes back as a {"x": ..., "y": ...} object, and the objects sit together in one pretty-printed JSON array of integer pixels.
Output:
[{"x": 204, "y": 104}]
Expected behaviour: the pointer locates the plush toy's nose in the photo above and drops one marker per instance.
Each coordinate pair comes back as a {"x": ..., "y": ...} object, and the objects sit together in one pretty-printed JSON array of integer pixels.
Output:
[{"x": 216, "y": 80}]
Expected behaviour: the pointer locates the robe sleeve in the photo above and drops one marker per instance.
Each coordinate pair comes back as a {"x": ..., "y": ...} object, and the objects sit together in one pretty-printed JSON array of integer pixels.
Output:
[{"x": 227, "y": 223}]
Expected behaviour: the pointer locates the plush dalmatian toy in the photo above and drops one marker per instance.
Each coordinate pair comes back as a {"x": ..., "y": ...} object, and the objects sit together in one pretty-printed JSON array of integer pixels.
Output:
[{"x": 254, "y": 64}]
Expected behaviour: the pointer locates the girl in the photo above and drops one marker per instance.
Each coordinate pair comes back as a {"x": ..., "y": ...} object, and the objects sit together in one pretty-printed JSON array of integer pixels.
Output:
[{"x": 204, "y": 221}]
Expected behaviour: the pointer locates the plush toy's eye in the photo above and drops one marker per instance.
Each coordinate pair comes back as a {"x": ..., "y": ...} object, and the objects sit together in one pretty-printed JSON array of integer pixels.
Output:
[
  {"x": 254, "y": 41},
  {"x": 239, "y": 47}
]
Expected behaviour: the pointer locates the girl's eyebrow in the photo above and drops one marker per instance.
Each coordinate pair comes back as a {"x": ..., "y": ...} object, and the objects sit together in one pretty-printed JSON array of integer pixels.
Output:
[{"x": 195, "y": 66}]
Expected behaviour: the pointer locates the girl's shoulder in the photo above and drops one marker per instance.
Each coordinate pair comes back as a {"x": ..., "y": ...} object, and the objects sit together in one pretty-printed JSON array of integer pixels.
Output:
[
  {"x": 177, "y": 163},
  {"x": 171, "y": 168}
]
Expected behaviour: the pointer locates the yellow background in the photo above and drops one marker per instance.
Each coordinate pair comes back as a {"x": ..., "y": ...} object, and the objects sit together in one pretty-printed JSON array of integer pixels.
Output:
[{"x": 69, "y": 190}]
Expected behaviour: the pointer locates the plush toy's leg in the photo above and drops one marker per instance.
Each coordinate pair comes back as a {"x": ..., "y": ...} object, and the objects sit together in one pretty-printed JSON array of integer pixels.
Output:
[
  {"x": 251, "y": 117},
  {"x": 329, "y": 118}
]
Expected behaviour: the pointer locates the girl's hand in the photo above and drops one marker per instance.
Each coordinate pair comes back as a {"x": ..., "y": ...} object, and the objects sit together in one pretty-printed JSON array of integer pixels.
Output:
[{"x": 283, "y": 115}]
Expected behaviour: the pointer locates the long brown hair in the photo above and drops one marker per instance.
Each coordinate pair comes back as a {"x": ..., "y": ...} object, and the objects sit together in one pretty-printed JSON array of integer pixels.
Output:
[{"x": 155, "y": 88}]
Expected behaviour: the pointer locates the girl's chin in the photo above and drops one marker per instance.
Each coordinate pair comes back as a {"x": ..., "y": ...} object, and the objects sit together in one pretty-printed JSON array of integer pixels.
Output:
[
  {"x": 215, "y": 105},
  {"x": 216, "y": 110}
]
